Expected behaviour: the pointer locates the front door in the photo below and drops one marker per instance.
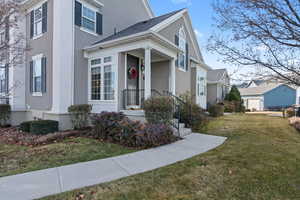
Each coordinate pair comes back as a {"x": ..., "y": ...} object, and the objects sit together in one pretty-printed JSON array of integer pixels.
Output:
[{"x": 133, "y": 89}]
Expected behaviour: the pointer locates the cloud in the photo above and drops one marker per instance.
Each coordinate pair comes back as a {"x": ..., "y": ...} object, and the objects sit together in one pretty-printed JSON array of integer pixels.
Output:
[{"x": 198, "y": 33}]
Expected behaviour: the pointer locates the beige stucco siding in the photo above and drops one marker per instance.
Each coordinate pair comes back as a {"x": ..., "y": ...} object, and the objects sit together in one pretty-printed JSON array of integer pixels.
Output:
[
  {"x": 171, "y": 30},
  {"x": 42, "y": 45},
  {"x": 160, "y": 76},
  {"x": 212, "y": 92}
]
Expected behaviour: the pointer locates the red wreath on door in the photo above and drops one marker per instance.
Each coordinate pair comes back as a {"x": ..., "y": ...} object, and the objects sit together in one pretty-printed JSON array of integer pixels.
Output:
[{"x": 132, "y": 73}]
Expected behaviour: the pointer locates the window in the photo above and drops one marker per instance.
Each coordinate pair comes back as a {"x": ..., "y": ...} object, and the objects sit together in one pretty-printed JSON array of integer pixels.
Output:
[
  {"x": 88, "y": 19},
  {"x": 38, "y": 75},
  {"x": 38, "y": 20},
  {"x": 102, "y": 80},
  {"x": 38, "y": 16},
  {"x": 182, "y": 46},
  {"x": 2, "y": 37},
  {"x": 3, "y": 81},
  {"x": 201, "y": 86}
]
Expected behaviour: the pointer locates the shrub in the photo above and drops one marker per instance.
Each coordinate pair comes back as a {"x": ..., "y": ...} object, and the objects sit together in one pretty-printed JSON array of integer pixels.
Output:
[
  {"x": 234, "y": 106},
  {"x": 153, "y": 135},
  {"x": 289, "y": 112},
  {"x": 43, "y": 127},
  {"x": 25, "y": 126},
  {"x": 39, "y": 127},
  {"x": 233, "y": 95},
  {"x": 106, "y": 125},
  {"x": 5, "y": 112},
  {"x": 297, "y": 126},
  {"x": 80, "y": 115},
  {"x": 216, "y": 110},
  {"x": 159, "y": 109}
]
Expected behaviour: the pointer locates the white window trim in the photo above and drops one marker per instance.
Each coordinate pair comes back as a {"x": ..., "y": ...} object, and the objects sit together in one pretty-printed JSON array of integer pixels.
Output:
[
  {"x": 93, "y": 8},
  {"x": 34, "y": 58},
  {"x": 102, "y": 65},
  {"x": 34, "y": 22}
]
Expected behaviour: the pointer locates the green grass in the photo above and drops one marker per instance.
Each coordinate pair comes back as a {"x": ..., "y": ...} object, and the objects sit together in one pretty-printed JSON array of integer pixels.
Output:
[
  {"x": 260, "y": 160},
  {"x": 16, "y": 159}
]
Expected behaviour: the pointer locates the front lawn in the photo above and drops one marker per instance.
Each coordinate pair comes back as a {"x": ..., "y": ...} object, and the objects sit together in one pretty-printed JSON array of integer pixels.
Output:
[
  {"x": 16, "y": 159},
  {"x": 260, "y": 160}
]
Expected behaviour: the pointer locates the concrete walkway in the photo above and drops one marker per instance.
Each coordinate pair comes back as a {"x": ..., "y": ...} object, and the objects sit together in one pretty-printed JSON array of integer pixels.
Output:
[{"x": 47, "y": 182}]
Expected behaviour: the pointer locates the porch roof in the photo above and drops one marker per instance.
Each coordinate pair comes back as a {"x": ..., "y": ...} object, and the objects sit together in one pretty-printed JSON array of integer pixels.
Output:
[{"x": 138, "y": 27}]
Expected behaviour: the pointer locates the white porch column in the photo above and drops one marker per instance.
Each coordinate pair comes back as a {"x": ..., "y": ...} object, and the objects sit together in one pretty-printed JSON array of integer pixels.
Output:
[
  {"x": 147, "y": 72},
  {"x": 63, "y": 58},
  {"x": 172, "y": 81}
]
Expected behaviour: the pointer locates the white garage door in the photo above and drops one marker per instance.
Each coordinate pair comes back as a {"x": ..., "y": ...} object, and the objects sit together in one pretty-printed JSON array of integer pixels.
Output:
[{"x": 254, "y": 104}]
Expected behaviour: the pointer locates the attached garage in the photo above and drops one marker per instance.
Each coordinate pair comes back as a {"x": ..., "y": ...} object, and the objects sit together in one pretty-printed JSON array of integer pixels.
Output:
[{"x": 254, "y": 104}]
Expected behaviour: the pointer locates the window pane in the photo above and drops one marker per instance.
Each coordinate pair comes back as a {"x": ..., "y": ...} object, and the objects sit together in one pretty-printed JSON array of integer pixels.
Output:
[
  {"x": 2, "y": 80},
  {"x": 88, "y": 13},
  {"x": 38, "y": 14},
  {"x": 96, "y": 62},
  {"x": 96, "y": 83},
  {"x": 109, "y": 83},
  {"x": 88, "y": 24},
  {"x": 37, "y": 84},
  {"x": 182, "y": 61},
  {"x": 107, "y": 59}
]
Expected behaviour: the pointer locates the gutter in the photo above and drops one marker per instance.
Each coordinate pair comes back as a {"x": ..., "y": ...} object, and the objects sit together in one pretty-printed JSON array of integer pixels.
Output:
[{"x": 134, "y": 38}]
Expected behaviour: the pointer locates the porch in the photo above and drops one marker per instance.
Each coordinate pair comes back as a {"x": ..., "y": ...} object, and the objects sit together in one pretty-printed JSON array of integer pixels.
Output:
[
  {"x": 129, "y": 73},
  {"x": 147, "y": 73}
]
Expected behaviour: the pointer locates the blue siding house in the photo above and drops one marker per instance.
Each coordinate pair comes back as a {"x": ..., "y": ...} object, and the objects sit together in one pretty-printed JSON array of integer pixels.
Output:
[
  {"x": 282, "y": 96},
  {"x": 271, "y": 96}
]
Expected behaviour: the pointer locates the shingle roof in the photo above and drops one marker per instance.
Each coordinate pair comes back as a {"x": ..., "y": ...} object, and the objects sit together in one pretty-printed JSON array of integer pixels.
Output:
[
  {"x": 215, "y": 75},
  {"x": 260, "y": 90},
  {"x": 139, "y": 27}
]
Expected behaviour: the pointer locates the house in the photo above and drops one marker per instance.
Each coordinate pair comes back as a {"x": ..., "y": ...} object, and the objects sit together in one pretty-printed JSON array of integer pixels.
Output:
[
  {"x": 108, "y": 53},
  {"x": 268, "y": 95},
  {"x": 218, "y": 85}
]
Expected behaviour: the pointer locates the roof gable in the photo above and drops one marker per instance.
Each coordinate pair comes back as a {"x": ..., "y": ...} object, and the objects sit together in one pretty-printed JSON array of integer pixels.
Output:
[
  {"x": 139, "y": 27},
  {"x": 216, "y": 75}
]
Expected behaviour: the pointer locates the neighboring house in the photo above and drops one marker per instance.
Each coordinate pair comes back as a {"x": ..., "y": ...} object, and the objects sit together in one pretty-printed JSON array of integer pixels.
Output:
[
  {"x": 108, "y": 53},
  {"x": 268, "y": 96},
  {"x": 218, "y": 85}
]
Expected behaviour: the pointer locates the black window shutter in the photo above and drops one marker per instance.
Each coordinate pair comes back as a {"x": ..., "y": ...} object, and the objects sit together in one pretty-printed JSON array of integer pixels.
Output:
[
  {"x": 31, "y": 23},
  {"x": 7, "y": 29},
  {"x": 7, "y": 78},
  {"x": 99, "y": 24},
  {"x": 45, "y": 14},
  {"x": 31, "y": 77},
  {"x": 44, "y": 77},
  {"x": 78, "y": 11},
  {"x": 176, "y": 62},
  {"x": 187, "y": 56},
  {"x": 176, "y": 40}
]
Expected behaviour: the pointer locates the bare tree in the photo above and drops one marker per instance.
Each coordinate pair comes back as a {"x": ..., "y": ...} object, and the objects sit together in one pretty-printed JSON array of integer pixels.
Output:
[
  {"x": 259, "y": 33},
  {"x": 12, "y": 41}
]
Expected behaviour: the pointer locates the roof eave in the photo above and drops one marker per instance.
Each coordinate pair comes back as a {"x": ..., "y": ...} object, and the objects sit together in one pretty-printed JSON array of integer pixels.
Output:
[{"x": 132, "y": 38}]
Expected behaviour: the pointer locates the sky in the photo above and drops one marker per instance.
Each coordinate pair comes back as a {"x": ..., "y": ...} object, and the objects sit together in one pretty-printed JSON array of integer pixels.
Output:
[{"x": 201, "y": 12}]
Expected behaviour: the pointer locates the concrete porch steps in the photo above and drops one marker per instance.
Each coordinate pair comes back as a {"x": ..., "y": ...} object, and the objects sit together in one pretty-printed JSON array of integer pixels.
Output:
[{"x": 140, "y": 116}]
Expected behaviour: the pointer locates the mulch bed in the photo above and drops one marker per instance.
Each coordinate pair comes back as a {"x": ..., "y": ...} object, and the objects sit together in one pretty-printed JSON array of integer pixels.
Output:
[{"x": 12, "y": 135}]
